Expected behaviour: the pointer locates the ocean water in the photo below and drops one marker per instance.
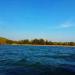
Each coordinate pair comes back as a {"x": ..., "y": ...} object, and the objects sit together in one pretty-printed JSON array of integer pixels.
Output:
[{"x": 37, "y": 60}]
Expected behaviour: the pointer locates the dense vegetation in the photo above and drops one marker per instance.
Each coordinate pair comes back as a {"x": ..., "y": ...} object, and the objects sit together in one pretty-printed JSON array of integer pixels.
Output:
[{"x": 34, "y": 42}]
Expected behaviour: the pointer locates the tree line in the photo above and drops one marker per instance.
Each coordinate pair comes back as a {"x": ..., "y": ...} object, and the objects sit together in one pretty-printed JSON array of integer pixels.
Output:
[{"x": 34, "y": 42}]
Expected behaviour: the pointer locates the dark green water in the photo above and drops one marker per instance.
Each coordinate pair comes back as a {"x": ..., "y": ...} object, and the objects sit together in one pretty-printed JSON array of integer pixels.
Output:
[{"x": 37, "y": 60}]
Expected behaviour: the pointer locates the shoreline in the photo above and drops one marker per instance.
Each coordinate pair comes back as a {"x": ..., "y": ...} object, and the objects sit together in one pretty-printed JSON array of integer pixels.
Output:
[{"x": 37, "y": 45}]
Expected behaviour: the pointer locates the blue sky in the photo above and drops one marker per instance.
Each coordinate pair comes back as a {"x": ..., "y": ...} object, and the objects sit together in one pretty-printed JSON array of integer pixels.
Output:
[{"x": 27, "y": 19}]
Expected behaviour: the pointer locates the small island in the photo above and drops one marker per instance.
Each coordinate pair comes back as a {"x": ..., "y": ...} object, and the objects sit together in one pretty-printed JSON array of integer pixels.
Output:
[{"x": 38, "y": 42}]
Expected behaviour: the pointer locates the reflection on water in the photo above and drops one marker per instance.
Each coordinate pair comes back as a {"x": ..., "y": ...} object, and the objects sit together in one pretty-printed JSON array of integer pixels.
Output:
[{"x": 37, "y": 60}]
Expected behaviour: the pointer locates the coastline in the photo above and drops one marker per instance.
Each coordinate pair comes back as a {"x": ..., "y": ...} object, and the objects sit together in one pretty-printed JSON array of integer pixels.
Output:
[{"x": 38, "y": 45}]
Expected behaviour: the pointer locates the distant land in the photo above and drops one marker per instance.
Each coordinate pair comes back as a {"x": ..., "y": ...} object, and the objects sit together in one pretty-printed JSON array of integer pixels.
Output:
[{"x": 4, "y": 41}]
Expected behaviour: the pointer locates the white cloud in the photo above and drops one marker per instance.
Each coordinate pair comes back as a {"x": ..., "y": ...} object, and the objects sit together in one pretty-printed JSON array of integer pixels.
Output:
[{"x": 66, "y": 25}]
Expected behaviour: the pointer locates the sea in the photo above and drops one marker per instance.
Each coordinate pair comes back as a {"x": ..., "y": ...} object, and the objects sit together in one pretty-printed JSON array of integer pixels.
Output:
[{"x": 37, "y": 60}]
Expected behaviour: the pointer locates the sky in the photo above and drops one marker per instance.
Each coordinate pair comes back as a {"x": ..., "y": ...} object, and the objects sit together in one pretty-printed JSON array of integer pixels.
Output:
[{"x": 28, "y": 19}]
